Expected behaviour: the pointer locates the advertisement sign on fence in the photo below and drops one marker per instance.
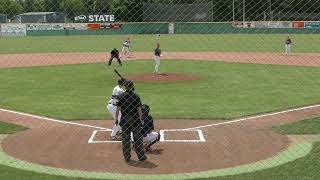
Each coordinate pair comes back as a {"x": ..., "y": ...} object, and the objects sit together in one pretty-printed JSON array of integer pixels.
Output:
[
  {"x": 13, "y": 30},
  {"x": 298, "y": 24},
  {"x": 39, "y": 27},
  {"x": 95, "y": 18},
  {"x": 312, "y": 24},
  {"x": 57, "y": 26},
  {"x": 94, "y": 26},
  {"x": 75, "y": 26}
]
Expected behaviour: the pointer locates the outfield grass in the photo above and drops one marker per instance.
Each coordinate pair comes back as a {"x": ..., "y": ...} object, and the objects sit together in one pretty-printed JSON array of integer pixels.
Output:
[
  {"x": 173, "y": 43},
  {"x": 308, "y": 126},
  {"x": 226, "y": 90}
]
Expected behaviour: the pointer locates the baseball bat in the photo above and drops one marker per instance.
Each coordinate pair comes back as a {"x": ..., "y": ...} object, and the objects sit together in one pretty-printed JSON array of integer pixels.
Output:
[{"x": 118, "y": 74}]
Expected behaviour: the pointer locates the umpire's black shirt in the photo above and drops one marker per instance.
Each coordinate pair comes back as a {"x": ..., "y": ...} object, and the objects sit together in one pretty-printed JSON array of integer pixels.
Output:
[
  {"x": 129, "y": 103},
  {"x": 114, "y": 52}
]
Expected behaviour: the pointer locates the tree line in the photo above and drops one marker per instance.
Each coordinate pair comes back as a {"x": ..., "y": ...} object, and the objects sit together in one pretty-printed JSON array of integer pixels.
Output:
[{"x": 132, "y": 10}]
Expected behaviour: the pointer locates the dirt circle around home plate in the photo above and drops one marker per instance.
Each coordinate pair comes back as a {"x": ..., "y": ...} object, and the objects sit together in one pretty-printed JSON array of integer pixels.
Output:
[{"x": 66, "y": 146}]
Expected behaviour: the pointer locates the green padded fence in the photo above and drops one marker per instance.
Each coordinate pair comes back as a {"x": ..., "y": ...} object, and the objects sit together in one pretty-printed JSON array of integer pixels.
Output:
[
  {"x": 226, "y": 28},
  {"x": 180, "y": 28},
  {"x": 129, "y": 28}
]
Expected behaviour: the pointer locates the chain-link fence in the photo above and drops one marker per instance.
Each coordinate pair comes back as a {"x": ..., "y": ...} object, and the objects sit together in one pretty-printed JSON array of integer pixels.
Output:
[{"x": 201, "y": 89}]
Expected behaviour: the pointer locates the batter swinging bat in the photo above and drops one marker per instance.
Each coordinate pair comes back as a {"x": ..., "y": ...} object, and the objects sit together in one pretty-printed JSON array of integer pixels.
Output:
[{"x": 118, "y": 74}]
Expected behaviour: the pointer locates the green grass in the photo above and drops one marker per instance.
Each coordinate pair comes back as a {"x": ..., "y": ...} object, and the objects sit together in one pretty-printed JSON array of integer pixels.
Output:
[
  {"x": 302, "y": 169},
  {"x": 306, "y": 168},
  {"x": 308, "y": 126},
  {"x": 8, "y": 173},
  {"x": 172, "y": 43},
  {"x": 6, "y": 128},
  {"x": 225, "y": 90}
]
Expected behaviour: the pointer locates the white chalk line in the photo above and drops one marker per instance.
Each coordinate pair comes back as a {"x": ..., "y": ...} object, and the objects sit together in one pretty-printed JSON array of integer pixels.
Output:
[
  {"x": 93, "y": 135},
  {"x": 162, "y": 131},
  {"x": 200, "y": 134},
  {"x": 252, "y": 117},
  {"x": 54, "y": 120}
]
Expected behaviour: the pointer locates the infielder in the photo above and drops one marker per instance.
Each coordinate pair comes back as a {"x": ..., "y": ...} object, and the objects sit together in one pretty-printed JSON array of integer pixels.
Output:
[
  {"x": 157, "y": 54},
  {"x": 114, "y": 54},
  {"x": 112, "y": 107},
  {"x": 126, "y": 47},
  {"x": 158, "y": 36},
  {"x": 288, "y": 43},
  {"x": 150, "y": 137}
]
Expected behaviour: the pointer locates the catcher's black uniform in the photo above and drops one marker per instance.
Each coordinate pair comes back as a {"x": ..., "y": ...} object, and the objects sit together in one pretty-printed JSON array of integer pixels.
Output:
[{"x": 114, "y": 54}]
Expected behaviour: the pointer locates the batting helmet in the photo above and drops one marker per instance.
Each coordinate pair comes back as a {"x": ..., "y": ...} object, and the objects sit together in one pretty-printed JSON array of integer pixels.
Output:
[
  {"x": 129, "y": 85},
  {"x": 121, "y": 82}
]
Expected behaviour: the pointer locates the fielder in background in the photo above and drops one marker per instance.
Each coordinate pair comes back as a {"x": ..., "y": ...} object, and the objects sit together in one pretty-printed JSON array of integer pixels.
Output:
[
  {"x": 126, "y": 48},
  {"x": 112, "y": 107},
  {"x": 157, "y": 55},
  {"x": 150, "y": 137},
  {"x": 158, "y": 36},
  {"x": 288, "y": 44},
  {"x": 114, "y": 54}
]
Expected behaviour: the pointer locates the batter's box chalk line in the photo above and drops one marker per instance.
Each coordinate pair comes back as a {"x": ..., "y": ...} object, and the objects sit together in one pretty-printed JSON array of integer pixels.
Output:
[
  {"x": 162, "y": 137},
  {"x": 200, "y": 134},
  {"x": 94, "y": 133}
]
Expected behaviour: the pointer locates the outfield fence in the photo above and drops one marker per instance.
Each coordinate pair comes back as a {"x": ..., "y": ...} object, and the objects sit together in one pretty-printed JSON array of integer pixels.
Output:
[{"x": 56, "y": 29}]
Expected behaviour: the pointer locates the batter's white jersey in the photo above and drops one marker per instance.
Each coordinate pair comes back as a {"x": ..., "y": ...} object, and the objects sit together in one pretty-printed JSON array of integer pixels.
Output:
[
  {"x": 112, "y": 108},
  {"x": 115, "y": 93}
]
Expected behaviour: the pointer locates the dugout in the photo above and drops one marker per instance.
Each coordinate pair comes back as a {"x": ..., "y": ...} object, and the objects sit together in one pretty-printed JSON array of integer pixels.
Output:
[
  {"x": 3, "y": 18},
  {"x": 41, "y": 17}
]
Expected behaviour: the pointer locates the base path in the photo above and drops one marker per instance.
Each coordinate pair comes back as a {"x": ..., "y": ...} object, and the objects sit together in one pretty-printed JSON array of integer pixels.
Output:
[{"x": 42, "y": 59}]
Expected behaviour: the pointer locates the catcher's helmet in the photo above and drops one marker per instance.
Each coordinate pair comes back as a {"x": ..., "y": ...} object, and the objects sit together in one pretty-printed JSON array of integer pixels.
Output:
[{"x": 145, "y": 109}]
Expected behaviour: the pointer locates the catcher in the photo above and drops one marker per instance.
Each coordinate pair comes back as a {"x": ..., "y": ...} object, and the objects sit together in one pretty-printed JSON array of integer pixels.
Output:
[{"x": 150, "y": 137}]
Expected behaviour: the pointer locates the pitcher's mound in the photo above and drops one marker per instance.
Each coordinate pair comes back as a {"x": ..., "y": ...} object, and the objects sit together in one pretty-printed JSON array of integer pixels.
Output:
[{"x": 162, "y": 78}]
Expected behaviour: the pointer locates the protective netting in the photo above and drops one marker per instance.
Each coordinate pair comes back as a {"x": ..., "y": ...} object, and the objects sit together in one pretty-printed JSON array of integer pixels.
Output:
[{"x": 159, "y": 89}]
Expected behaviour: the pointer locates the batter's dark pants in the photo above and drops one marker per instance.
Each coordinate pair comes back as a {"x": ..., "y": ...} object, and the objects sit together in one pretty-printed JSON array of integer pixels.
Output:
[
  {"x": 114, "y": 56},
  {"x": 127, "y": 128}
]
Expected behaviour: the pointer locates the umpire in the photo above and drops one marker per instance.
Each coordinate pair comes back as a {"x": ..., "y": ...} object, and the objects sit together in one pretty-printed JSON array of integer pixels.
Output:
[
  {"x": 114, "y": 54},
  {"x": 131, "y": 121}
]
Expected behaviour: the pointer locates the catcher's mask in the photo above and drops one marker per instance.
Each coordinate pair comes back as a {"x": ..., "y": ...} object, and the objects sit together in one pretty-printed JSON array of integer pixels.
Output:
[{"x": 145, "y": 109}]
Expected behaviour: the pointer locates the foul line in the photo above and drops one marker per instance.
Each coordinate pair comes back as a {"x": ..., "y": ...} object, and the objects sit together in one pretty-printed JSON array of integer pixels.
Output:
[
  {"x": 54, "y": 120},
  {"x": 186, "y": 129},
  {"x": 252, "y": 117}
]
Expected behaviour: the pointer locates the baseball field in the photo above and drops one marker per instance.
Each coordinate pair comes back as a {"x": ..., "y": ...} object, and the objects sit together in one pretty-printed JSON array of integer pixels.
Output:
[{"x": 227, "y": 107}]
